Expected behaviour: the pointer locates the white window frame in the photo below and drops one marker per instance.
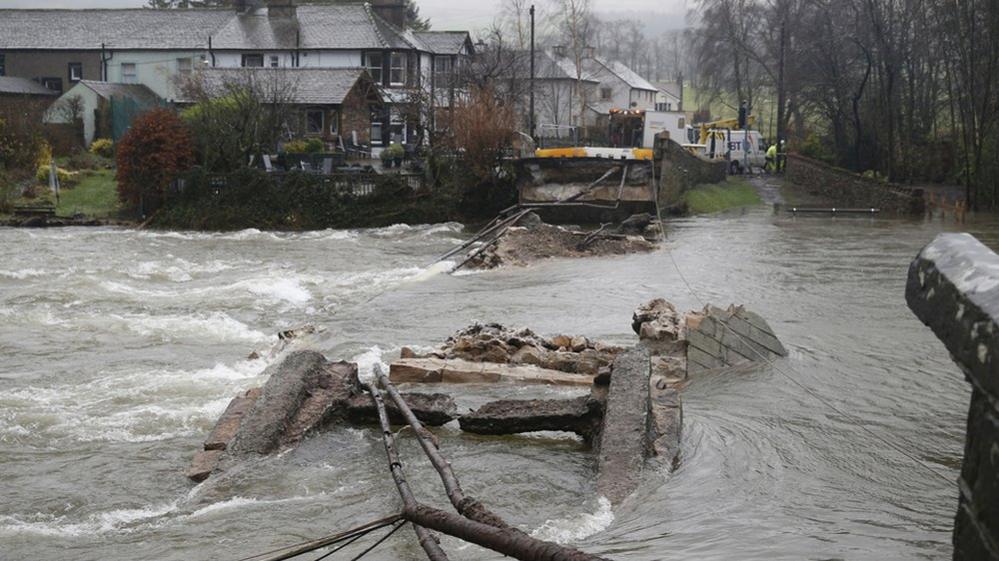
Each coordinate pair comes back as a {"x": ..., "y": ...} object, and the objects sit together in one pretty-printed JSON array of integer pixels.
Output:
[
  {"x": 275, "y": 61},
  {"x": 78, "y": 74},
  {"x": 129, "y": 73},
  {"x": 375, "y": 70},
  {"x": 399, "y": 57},
  {"x": 185, "y": 66}
]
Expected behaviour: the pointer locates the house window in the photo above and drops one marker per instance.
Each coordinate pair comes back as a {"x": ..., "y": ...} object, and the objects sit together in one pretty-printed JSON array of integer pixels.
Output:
[
  {"x": 373, "y": 63},
  {"x": 315, "y": 121},
  {"x": 397, "y": 70},
  {"x": 75, "y": 71},
  {"x": 54, "y": 84},
  {"x": 334, "y": 123},
  {"x": 184, "y": 66},
  {"x": 275, "y": 61},
  {"x": 3, "y": 65},
  {"x": 681, "y": 123},
  {"x": 253, "y": 61},
  {"x": 442, "y": 71},
  {"x": 606, "y": 94},
  {"x": 376, "y": 128},
  {"x": 129, "y": 73}
]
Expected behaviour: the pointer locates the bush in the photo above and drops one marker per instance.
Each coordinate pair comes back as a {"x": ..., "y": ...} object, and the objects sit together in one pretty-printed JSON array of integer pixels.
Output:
[
  {"x": 103, "y": 147},
  {"x": 304, "y": 146},
  {"x": 66, "y": 178},
  {"x": 151, "y": 154},
  {"x": 395, "y": 151}
]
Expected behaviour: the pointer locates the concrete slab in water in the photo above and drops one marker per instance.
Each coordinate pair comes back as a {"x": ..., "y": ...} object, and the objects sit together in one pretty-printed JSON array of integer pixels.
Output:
[{"x": 623, "y": 438}]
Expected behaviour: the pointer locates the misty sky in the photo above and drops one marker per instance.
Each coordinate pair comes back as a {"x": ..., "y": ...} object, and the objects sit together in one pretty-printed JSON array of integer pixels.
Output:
[{"x": 444, "y": 14}]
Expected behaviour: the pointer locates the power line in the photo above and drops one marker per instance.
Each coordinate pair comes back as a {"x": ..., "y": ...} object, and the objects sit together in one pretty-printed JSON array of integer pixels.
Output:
[{"x": 855, "y": 421}]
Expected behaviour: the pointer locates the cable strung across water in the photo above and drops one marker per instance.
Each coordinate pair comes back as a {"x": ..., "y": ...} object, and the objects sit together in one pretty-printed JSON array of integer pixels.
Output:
[
  {"x": 816, "y": 396},
  {"x": 300, "y": 548}
]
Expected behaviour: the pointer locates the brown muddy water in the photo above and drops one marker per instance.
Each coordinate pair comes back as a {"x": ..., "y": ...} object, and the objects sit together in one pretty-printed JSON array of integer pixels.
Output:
[{"x": 119, "y": 349}]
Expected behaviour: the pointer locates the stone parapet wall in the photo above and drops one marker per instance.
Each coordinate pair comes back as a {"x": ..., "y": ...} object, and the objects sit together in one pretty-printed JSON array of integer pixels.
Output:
[
  {"x": 953, "y": 287},
  {"x": 680, "y": 171},
  {"x": 848, "y": 190}
]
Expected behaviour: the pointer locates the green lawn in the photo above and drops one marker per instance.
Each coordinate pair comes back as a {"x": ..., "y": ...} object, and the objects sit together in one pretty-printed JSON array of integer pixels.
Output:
[
  {"x": 735, "y": 192},
  {"x": 95, "y": 196}
]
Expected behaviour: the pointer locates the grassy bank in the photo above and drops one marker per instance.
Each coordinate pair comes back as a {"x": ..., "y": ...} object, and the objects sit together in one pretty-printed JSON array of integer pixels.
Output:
[
  {"x": 735, "y": 192},
  {"x": 95, "y": 196}
]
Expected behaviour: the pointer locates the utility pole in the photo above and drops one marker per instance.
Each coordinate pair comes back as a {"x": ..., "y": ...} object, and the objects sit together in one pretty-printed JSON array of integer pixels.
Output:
[{"x": 532, "y": 124}]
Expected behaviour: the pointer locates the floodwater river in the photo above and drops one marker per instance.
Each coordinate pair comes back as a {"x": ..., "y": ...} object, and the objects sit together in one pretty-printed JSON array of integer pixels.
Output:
[{"x": 119, "y": 349}]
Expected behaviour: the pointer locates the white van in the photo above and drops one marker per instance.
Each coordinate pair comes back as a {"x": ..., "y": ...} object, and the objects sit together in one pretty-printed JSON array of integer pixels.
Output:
[{"x": 743, "y": 149}]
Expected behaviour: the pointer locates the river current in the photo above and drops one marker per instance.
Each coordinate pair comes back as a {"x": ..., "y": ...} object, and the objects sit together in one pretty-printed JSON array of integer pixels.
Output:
[{"x": 120, "y": 348}]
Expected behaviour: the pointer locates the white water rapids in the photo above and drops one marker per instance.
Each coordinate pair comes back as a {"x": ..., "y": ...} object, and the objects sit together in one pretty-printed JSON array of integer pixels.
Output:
[{"x": 119, "y": 349}]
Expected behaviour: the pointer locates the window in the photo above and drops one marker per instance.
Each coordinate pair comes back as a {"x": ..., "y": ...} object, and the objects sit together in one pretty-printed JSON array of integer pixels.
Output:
[
  {"x": 184, "y": 66},
  {"x": 3, "y": 64},
  {"x": 681, "y": 123},
  {"x": 315, "y": 121},
  {"x": 275, "y": 61},
  {"x": 376, "y": 128},
  {"x": 397, "y": 70},
  {"x": 54, "y": 84},
  {"x": 129, "y": 73},
  {"x": 334, "y": 123},
  {"x": 606, "y": 94},
  {"x": 253, "y": 61},
  {"x": 373, "y": 63},
  {"x": 442, "y": 71},
  {"x": 75, "y": 71}
]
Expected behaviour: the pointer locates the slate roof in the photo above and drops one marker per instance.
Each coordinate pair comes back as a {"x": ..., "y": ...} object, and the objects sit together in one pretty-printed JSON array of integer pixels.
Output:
[
  {"x": 308, "y": 86},
  {"x": 444, "y": 42},
  {"x": 119, "y": 29},
  {"x": 547, "y": 66},
  {"x": 630, "y": 77},
  {"x": 338, "y": 26},
  {"x": 23, "y": 86},
  {"x": 107, "y": 90}
]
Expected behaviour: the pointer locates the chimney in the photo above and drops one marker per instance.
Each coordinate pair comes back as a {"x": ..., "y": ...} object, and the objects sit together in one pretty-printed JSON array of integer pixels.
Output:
[
  {"x": 392, "y": 11},
  {"x": 243, "y": 6},
  {"x": 282, "y": 9}
]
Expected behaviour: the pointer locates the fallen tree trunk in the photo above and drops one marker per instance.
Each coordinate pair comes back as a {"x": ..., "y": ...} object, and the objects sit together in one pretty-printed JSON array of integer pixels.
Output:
[
  {"x": 491, "y": 532},
  {"x": 427, "y": 541},
  {"x": 466, "y": 506},
  {"x": 508, "y": 541}
]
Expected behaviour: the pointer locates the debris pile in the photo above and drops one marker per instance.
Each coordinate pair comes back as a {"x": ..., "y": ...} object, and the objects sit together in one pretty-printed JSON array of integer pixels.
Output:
[
  {"x": 630, "y": 415},
  {"x": 303, "y": 393},
  {"x": 532, "y": 240}
]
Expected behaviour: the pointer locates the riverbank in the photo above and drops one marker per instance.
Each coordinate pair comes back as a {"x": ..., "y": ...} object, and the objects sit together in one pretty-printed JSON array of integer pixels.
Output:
[
  {"x": 90, "y": 200},
  {"x": 735, "y": 192}
]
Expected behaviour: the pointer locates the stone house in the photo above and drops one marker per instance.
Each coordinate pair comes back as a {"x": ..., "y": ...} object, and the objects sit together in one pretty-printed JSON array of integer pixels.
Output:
[{"x": 328, "y": 103}]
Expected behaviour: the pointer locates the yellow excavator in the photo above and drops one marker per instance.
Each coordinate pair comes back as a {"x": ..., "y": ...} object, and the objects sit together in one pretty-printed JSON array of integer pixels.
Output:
[{"x": 733, "y": 124}]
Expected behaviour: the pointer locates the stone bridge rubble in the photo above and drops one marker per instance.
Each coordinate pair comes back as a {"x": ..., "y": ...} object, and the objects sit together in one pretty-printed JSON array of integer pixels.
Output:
[{"x": 629, "y": 413}]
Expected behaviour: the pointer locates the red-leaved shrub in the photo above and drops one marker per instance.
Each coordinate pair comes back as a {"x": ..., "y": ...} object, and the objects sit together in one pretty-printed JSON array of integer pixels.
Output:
[{"x": 151, "y": 154}]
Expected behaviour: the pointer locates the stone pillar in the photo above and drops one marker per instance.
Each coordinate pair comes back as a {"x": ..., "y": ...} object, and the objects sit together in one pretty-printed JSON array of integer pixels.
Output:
[{"x": 953, "y": 287}]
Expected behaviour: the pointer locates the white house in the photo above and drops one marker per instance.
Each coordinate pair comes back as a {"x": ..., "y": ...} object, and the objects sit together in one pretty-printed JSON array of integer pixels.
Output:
[
  {"x": 158, "y": 48},
  {"x": 105, "y": 108}
]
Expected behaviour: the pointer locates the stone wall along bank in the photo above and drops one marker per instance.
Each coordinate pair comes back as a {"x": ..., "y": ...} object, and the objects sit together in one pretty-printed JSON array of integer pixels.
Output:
[{"x": 845, "y": 189}]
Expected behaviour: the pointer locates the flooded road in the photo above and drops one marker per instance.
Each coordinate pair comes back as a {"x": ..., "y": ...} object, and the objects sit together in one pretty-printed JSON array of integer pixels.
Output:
[{"x": 119, "y": 349}]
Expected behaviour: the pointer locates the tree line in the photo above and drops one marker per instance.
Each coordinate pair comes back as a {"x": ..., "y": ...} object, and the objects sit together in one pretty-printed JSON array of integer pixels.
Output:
[{"x": 908, "y": 89}]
